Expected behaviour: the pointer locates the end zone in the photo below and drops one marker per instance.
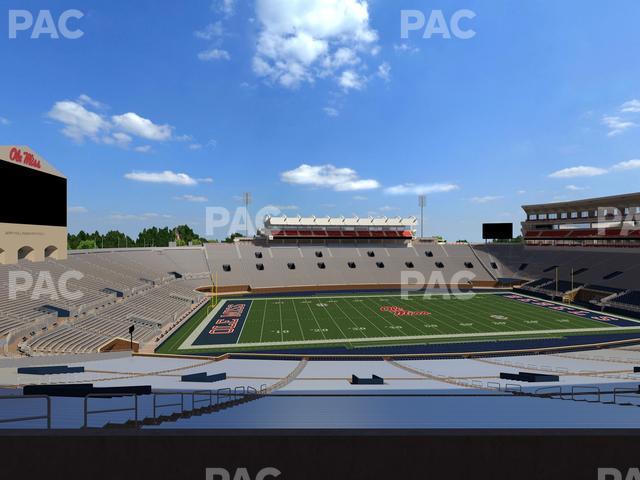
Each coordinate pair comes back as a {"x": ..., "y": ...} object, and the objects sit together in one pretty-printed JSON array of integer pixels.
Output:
[{"x": 222, "y": 326}]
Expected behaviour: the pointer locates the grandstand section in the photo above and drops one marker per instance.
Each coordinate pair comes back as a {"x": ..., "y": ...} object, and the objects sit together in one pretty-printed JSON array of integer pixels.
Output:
[
  {"x": 337, "y": 229},
  {"x": 610, "y": 222}
]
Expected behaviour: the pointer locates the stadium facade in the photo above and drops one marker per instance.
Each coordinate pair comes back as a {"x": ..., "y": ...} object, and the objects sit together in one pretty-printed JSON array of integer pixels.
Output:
[
  {"x": 33, "y": 207},
  {"x": 612, "y": 221}
]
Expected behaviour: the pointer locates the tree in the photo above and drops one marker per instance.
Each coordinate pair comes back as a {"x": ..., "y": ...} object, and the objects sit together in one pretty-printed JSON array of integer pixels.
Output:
[
  {"x": 87, "y": 245},
  {"x": 232, "y": 237}
]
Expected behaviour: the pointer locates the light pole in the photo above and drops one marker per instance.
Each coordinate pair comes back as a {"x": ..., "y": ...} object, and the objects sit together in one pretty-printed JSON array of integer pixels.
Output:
[
  {"x": 246, "y": 196},
  {"x": 422, "y": 202}
]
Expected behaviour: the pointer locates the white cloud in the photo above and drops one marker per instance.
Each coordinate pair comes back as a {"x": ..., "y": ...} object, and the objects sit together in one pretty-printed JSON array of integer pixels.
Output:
[
  {"x": 413, "y": 189},
  {"x": 360, "y": 198},
  {"x": 384, "y": 71},
  {"x": 192, "y": 198},
  {"x": 214, "y": 54},
  {"x": 162, "y": 177},
  {"x": 77, "y": 210},
  {"x": 351, "y": 80},
  {"x": 4, "y": 121},
  {"x": 617, "y": 125},
  {"x": 521, "y": 192},
  {"x": 405, "y": 48},
  {"x": 331, "y": 112},
  {"x": 143, "y": 216},
  {"x": 211, "y": 31},
  {"x": 86, "y": 100},
  {"x": 628, "y": 165},
  {"x": 302, "y": 40},
  {"x": 143, "y": 149},
  {"x": 227, "y": 7},
  {"x": 575, "y": 188},
  {"x": 632, "y": 106},
  {"x": 388, "y": 208},
  {"x": 142, "y": 127},
  {"x": 328, "y": 176},
  {"x": 486, "y": 199},
  {"x": 195, "y": 146},
  {"x": 581, "y": 171},
  {"x": 79, "y": 123},
  {"x": 283, "y": 207}
]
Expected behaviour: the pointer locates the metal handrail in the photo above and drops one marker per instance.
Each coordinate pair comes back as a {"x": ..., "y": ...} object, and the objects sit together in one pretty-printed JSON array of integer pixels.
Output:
[
  {"x": 88, "y": 412},
  {"x": 593, "y": 390},
  {"x": 208, "y": 393},
  {"x": 156, "y": 406},
  {"x": 46, "y": 417}
]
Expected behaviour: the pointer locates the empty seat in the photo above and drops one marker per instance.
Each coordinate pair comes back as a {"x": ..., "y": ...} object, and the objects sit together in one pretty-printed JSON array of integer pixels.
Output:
[
  {"x": 321, "y": 265},
  {"x": 408, "y": 264},
  {"x": 259, "y": 266},
  {"x": 468, "y": 265},
  {"x": 226, "y": 268},
  {"x": 429, "y": 253},
  {"x": 319, "y": 254},
  {"x": 352, "y": 264},
  {"x": 291, "y": 266},
  {"x": 439, "y": 264},
  {"x": 258, "y": 254},
  {"x": 371, "y": 254},
  {"x": 380, "y": 264}
]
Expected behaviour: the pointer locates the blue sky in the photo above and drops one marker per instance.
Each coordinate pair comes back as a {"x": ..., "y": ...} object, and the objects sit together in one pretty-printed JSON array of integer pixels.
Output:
[{"x": 163, "y": 108}]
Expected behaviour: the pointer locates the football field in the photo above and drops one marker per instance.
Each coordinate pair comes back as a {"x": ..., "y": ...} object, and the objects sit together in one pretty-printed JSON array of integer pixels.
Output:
[{"x": 354, "y": 321}]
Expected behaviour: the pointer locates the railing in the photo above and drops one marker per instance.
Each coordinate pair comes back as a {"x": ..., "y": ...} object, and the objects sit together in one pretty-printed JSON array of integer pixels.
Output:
[
  {"x": 156, "y": 406},
  {"x": 88, "y": 412},
  {"x": 46, "y": 416}
]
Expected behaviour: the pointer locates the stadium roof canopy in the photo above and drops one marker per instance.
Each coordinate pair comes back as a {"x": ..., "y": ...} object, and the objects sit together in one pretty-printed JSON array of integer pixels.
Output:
[
  {"x": 617, "y": 201},
  {"x": 339, "y": 222}
]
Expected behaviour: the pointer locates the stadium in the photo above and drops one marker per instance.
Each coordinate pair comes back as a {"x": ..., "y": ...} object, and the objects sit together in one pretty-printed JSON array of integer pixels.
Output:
[{"x": 345, "y": 316}]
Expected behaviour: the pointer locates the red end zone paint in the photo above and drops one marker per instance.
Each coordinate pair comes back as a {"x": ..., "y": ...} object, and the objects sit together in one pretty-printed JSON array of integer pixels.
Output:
[{"x": 401, "y": 312}]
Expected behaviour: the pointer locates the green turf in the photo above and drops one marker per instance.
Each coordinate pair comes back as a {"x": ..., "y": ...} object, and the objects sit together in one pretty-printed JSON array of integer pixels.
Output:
[{"x": 357, "y": 322}]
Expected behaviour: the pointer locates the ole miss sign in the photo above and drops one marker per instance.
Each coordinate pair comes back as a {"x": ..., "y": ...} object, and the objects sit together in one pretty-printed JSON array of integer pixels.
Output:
[{"x": 25, "y": 158}]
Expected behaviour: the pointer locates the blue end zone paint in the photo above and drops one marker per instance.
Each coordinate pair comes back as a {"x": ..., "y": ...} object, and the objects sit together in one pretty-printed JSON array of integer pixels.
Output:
[
  {"x": 226, "y": 324},
  {"x": 578, "y": 312}
]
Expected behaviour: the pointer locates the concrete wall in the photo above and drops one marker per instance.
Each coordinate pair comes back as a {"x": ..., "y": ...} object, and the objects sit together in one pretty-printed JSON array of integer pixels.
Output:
[{"x": 36, "y": 242}]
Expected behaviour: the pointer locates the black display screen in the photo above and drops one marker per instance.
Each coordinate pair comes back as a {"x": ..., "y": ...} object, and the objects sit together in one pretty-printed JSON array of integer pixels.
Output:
[
  {"x": 497, "y": 231},
  {"x": 31, "y": 197}
]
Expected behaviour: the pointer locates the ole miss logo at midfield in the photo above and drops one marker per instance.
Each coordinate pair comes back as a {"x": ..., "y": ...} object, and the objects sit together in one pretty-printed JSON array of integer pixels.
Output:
[{"x": 401, "y": 312}]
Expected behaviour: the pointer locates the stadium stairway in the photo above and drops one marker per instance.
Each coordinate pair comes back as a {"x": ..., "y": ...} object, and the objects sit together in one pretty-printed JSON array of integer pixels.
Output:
[{"x": 230, "y": 399}]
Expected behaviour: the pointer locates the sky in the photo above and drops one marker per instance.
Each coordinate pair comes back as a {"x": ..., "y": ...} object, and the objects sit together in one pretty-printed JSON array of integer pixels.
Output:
[{"x": 160, "y": 109}]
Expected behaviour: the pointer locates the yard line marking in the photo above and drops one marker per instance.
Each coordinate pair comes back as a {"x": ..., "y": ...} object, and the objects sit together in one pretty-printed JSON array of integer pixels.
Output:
[
  {"x": 298, "y": 317},
  {"x": 317, "y": 323},
  {"x": 264, "y": 315},
  {"x": 373, "y": 324}
]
